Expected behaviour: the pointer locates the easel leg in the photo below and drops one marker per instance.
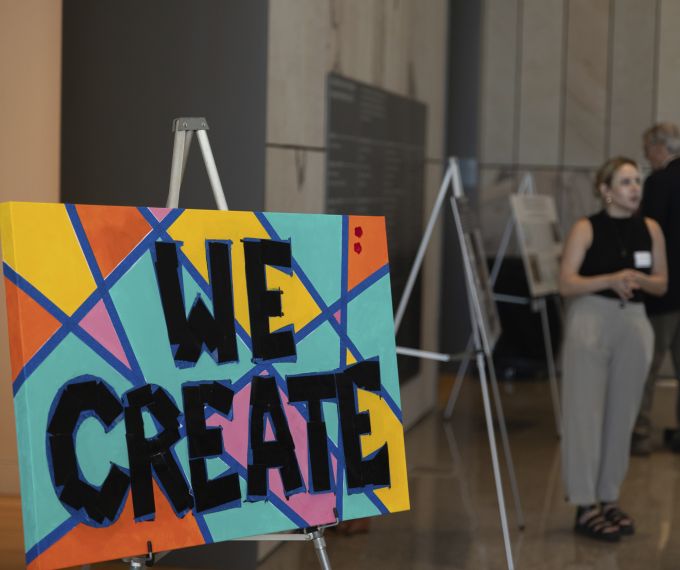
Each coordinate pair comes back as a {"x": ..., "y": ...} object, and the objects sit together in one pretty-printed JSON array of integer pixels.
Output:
[
  {"x": 422, "y": 248},
  {"x": 320, "y": 548},
  {"x": 506, "y": 442},
  {"x": 552, "y": 373},
  {"x": 494, "y": 460}
]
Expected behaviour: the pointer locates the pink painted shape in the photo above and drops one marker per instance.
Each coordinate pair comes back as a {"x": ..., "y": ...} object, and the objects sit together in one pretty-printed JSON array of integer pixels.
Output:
[
  {"x": 314, "y": 509},
  {"x": 98, "y": 323},
  {"x": 264, "y": 373},
  {"x": 338, "y": 315},
  {"x": 235, "y": 432},
  {"x": 160, "y": 213}
]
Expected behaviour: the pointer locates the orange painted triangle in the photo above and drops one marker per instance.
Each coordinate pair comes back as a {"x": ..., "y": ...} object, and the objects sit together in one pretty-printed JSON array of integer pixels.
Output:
[
  {"x": 113, "y": 232},
  {"x": 123, "y": 538},
  {"x": 367, "y": 248},
  {"x": 30, "y": 326}
]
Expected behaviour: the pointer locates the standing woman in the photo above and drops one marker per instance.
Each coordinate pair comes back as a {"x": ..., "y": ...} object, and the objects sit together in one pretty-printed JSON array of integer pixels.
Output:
[{"x": 610, "y": 261}]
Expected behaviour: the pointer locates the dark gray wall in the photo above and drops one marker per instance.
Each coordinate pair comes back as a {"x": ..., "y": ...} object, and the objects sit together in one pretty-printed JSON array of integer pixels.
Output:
[
  {"x": 462, "y": 132},
  {"x": 130, "y": 67}
]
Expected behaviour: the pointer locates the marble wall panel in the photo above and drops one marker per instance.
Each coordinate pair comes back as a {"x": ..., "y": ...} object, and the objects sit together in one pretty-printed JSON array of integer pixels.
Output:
[
  {"x": 357, "y": 35},
  {"x": 493, "y": 195},
  {"x": 295, "y": 181},
  {"x": 576, "y": 197},
  {"x": 585, "y": 111},
  {"x": 668, "y": 94},
  {"x": 427, "y": 69},
  {"x": 297, "y": 59},
  {"x": 397, "y": 31},
  {"x": 632, "y": 76},
  {"x": 548, "y": 181},
  {"x": 498, "y": 82},
  {"x": 541, "y": 81}
]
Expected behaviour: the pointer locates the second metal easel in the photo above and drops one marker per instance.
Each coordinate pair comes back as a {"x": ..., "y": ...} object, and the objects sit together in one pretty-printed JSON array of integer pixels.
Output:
[{"x": 538, "y": 304}]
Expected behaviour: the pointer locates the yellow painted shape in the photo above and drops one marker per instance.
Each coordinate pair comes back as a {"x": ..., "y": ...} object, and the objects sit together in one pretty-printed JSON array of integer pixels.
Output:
[
  {"x": 194, "y": 227},
  {"x": 350, "y": 357},
  {"x": 297, "y": 305},
  {"x": 40, "y": 244},
  {"x": 386, "y": 428}
]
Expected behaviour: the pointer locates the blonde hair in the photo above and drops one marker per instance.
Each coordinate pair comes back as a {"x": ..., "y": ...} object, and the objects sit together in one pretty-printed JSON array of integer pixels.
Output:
[{"x": 606, "y": 172}]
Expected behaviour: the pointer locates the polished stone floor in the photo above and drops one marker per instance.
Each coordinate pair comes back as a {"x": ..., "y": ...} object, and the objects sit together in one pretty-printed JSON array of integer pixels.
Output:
[{"x": 453, "y": 522}]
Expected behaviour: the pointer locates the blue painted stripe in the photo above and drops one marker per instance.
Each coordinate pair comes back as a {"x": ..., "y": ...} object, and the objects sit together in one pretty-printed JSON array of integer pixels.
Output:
[
  {"x": 103, "y": 287},
  {"x": 370, "y": 280},
  {"x": 203, "y": 527},
  {"x": 34, "y": 293},
  {"x": 377, "y": 502},
  {"x": 52, "y": 537},
  {"x": 392, "y": 404},
  {"x": 43, "y": 352},
  {"x": 67, "y": 325}
]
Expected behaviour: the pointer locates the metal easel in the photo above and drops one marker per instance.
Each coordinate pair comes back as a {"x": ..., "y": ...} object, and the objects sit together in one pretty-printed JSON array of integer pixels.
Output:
[
  {"x": 452, "y": 186},
  {"x": 539, "y": 305},
  {"x": 184, "y": 129}
]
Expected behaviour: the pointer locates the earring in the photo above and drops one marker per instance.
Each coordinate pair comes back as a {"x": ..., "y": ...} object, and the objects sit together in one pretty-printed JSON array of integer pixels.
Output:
[{"x": 608, "y": 199}]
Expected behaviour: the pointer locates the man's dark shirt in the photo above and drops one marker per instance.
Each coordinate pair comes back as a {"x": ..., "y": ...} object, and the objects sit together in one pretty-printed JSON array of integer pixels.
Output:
[{"x": 661, "y": 201}]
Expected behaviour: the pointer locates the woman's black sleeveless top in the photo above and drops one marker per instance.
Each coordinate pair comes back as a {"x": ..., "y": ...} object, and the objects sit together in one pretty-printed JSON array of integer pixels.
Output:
[{"x": 618, "y": 243}]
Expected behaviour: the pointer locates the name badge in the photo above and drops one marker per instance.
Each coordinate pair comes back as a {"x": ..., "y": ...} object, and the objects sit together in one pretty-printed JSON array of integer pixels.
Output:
[{"x": 643, "y": 259}]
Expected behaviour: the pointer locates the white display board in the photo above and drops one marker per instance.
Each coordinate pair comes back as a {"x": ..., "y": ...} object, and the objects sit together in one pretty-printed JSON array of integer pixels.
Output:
[
  {"x": 490, "y": 323},
  {"x": 540, "y": 241}
]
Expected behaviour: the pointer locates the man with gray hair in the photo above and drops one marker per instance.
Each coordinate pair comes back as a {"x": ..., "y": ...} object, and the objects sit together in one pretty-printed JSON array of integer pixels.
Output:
[{"x": 661, "y": 201}]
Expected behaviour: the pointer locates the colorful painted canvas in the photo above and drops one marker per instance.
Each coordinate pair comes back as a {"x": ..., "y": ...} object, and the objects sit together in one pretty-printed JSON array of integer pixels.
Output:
[{"x": 187, "y": 376}]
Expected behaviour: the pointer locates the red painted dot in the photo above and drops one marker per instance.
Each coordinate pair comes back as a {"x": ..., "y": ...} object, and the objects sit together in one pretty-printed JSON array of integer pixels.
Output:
[
  {"x": 358, "y": 231},
  {"x": 357, "y": 247}
]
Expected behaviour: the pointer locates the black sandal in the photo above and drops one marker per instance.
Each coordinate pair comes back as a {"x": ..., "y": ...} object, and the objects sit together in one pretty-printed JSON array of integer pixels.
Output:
[
  {"x": 617, "y": 517},
  {"x": 591, "y": 522}
]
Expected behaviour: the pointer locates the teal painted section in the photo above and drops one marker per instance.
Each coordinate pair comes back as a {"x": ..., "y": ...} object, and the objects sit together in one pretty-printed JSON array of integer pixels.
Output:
[
  {"x": 150, "y": 427},
  {"x": 32, "y": 404},
  {"x": 316, "y": 244},
  {"x": 317, "y": 352},
  {"x": 92, "y": 436},
  {"x": 357, "y": 505},
  {"x": 215, "y": 467},
  {"x": 370, "y": 326}
]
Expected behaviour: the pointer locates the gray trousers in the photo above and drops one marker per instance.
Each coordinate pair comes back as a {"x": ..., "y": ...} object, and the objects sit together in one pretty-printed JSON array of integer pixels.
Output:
[
  {"x": 666, "y": 336},
  {"x": 606, "y": 356}
]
